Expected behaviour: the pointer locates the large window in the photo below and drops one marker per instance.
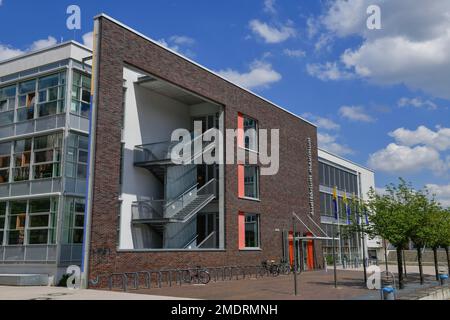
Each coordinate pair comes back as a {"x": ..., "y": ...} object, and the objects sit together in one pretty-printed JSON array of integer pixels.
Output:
[
  {"x": 16, "y": 222},
  {"x": 334, "y": 177},
  {"x": 7, "y": 105},
  {"x": 5, "y": 161},
  {"x": 252, "y": 231},
  {"x": 32, "y": 222},
  {"x": 47, "y": 156},
  {"x": 81, "y": 94},
  {"x": 42, "y": 221},
  {"x": 2, "y": 221},
  {"x": 44, "y": 153},
  {"x": 51, "y": 91},
  {"x": 251, "y": 182}
]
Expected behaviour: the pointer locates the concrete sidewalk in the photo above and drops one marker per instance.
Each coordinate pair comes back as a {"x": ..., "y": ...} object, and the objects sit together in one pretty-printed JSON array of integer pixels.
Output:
[{"x": 54, "y": 293}]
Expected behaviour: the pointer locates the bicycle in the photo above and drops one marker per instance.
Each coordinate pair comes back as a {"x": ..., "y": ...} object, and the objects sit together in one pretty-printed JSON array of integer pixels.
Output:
[
  {"x": 271, "y": 267},
  {"x": 199, "y": 275}
]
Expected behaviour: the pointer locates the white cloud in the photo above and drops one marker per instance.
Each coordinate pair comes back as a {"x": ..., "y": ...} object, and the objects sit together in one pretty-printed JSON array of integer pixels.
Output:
[
  {"x": 272, "y": 34},
  {"x": 327, "y": 71},
  {"x": 179, "y": 44},
  {"x": 88, "y": 39},
  {"x": 7, "y": 52},
  {"x": 396, "y": 159},
  {"x": 43, "y": 43},
  {"x": 355, "y": 113},
  {"x": 439, "y": 139},
  {"x": 260, "y": 75},
  {"x": 321, "y": 122},
  {"x": 294, "y": 53},
  {"x": 417, "y": 103},
  {"x": 411, "y": 48},
  {"x": 442, "y": 193},
  {"x": 269, "y": 6},
  {"x": 182, "y": 40},
  {"x": 328, "y": 142}
]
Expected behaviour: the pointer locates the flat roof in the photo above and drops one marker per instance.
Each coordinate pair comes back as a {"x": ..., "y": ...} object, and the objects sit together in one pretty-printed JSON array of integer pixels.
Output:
[
  {"x": 345, "y": 159},
  {"x": 199, "y": 65},
  {"x": 58, "y": 45}
]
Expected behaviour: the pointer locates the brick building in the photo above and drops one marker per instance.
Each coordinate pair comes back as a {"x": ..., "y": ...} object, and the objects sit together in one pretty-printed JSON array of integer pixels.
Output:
[{"x": 145, "y": 212}]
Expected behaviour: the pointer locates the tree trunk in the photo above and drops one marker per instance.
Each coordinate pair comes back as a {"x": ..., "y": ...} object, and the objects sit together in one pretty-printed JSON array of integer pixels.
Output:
[
  {"x": 401, "y": 285},
  {"x": 419, "y": 260},
  {"x": 436, "y": 263},
  {"x": 448, "y": 260}
]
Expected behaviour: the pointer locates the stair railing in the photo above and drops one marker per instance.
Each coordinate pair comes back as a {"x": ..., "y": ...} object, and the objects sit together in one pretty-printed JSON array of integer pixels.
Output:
[{"x": 206, "y": 242}]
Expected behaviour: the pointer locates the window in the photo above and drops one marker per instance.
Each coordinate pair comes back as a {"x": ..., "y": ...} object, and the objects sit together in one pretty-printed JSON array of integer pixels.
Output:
[
  {"x": 77, "y": 157},
  {"x": 47, "y": 156},
  {"x": 5, "y": 160},
  {"x": 251, "y": 182},
  {"x": 81, "y": 95},
  {"x": 51, "y": 94},
  {"x": 2, "y": 221},
  {"x": 252, "y": 231},
  {"x": 251, "y": 133},
  {"x": 7, "y": 105},
  {"x": 27, "y": 100},
  {"x": 73, "y": 224},
  {"x": 7, "y": 98},
  {"x": 22, "y": 157},
  {"x": 42, "y": 221},
  {"x": 17, "y": 222}
]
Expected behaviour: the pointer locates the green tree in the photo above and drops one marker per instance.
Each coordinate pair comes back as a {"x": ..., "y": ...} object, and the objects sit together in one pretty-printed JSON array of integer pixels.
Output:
[
  {"x": 389, "y": 218},
  {"x": 439, "y": 234},
  {"x": 424, "y": 227}
]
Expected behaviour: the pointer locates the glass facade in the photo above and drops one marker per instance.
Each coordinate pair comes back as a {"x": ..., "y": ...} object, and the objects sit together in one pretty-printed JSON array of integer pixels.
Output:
[
  {"x": 347, "y": 247},
  {"x": 38, "y": 160},
  {"x": 335, "y": 177}
]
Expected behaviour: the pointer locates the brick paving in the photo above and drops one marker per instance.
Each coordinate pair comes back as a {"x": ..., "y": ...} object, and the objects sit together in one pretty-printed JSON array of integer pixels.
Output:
[{"x": 317, "y": 285}]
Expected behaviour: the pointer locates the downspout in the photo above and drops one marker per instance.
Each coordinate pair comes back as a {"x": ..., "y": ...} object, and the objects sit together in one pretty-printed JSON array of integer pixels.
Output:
[{"x": 91, "y": 157}]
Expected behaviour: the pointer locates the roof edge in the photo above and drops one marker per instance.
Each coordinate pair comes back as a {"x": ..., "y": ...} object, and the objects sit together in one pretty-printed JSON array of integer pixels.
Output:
[
  {"x": 58, "y": 45},
  {"x": 347, "y": 160},
  {"x": 103, "y": 15}
]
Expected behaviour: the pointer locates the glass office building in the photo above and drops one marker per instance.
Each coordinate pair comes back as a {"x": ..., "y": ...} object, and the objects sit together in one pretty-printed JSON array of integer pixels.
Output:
[{"x": 44, "y": 124}]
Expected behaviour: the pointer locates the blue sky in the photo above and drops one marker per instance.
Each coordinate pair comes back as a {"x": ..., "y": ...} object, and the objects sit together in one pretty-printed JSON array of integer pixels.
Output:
[{"x": 380, "y": 97}]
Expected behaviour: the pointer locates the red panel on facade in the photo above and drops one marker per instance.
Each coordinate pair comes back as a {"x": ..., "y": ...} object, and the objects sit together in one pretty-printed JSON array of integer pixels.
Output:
[
  {"x": 241, "y": 184},
  {"x": 241, "y": 225}
]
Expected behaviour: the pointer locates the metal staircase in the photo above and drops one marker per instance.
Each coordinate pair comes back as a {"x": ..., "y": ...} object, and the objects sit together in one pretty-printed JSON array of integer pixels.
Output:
[{"x": 160, "y": 215}]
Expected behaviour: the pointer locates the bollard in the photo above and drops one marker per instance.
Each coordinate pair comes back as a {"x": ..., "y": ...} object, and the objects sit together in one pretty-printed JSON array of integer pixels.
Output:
[
  {"x": 443, "y": 279},
  {"x": 388, "y": 293}
]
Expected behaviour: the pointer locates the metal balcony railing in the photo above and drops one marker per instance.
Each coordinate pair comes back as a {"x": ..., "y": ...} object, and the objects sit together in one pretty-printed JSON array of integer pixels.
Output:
[
  {"x": 162, "y": 151},
  {"x": 191, "y": 201}
]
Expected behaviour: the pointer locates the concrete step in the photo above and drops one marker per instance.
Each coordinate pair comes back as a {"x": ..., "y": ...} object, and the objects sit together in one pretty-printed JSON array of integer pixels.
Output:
[{"x": 24, "y": 280}]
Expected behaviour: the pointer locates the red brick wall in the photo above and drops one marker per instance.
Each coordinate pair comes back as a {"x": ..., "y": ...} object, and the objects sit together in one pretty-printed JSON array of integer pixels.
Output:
[{"x": 280, "y": 194}]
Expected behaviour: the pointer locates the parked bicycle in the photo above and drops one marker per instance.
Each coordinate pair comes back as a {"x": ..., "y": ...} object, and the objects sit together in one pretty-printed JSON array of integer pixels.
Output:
[
  {"x": 271, "y": 267},
  {"x": 198, "y": 275}
]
